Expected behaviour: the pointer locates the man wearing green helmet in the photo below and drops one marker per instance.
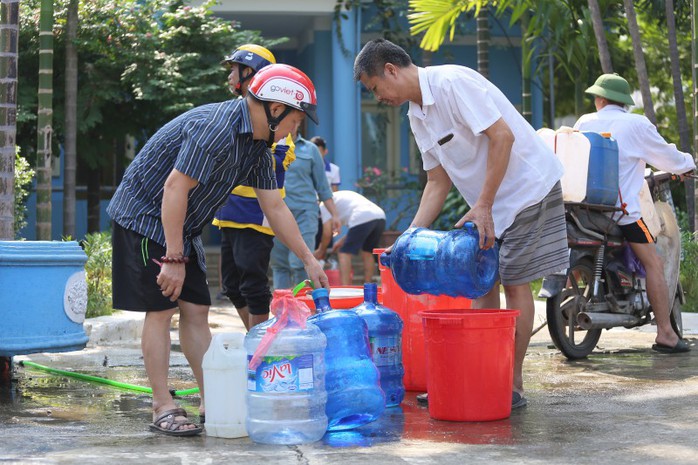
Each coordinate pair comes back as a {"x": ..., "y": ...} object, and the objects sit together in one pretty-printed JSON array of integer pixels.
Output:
[{"x": 639, "y": 143}]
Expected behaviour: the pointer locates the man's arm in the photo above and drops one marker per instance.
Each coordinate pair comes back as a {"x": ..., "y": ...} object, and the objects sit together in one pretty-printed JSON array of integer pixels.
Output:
[
  {"x": 286, "y": 229},
  {"x": 321, "y": 251},
  {"x": 501, "y": 140},
  {"x": 174, "y": 209},
  {"x": 332, "y": 208}
]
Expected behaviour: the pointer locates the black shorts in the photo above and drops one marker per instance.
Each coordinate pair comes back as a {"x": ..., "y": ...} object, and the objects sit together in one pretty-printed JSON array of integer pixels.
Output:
[
  {"x": 134, "y": 275},
  {"x": 364, "y": 236},
  {"x": 638, "y": 232},
  {"x": 244, "y": 265}
]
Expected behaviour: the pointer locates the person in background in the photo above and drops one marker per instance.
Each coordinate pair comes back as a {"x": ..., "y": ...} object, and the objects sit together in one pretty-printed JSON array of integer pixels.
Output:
[
  {"x": 170, "y": 192},
  {"x": 366, "y": 223},
  {"x": 333, "y": 177},
  {"x": 471, "y": 136},
  {"x": 639, "y": 143},
  {"x": 305, "y": 183},
  {"x": 246, "y": 237},
  {"x": 331, "y": 170}
]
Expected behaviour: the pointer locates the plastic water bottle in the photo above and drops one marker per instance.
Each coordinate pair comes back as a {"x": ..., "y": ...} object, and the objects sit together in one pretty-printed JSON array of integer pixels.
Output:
[
  {"x": 286, "y": 394},
  {"x": 225, "y": 385},
  {"x": 385, "y": 337},
  {"x": 450, "y": 263},
  {"x": 354, "y": 396}
]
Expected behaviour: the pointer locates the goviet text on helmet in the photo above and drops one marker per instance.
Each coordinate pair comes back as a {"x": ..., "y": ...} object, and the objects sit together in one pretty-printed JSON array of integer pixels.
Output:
[{"x": 288, "y": 85}]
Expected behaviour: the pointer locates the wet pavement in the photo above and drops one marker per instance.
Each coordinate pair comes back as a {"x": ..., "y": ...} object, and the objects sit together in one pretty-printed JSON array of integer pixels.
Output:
[{"x": 624, "y": 404}]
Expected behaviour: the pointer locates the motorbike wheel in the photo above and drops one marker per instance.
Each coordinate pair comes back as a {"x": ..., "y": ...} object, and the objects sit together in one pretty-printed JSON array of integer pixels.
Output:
[
  {"x": 675, "y": 315},
  {"x": 562, "y": 311}
]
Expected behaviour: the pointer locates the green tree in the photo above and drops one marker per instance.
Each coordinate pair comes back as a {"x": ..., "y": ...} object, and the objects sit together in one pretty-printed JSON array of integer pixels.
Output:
[{"x": 140, "y": 64}]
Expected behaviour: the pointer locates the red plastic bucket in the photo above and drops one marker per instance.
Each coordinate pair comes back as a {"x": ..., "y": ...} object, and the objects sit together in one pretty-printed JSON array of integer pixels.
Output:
[
  {"x": 341, "y": 297},
  {"x": 408, "y": 307},
  {"x": 470, "y": 362}
]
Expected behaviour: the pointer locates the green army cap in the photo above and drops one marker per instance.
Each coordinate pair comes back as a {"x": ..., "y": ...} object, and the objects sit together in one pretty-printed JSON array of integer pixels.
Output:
[{"x": 612, "y": 87}]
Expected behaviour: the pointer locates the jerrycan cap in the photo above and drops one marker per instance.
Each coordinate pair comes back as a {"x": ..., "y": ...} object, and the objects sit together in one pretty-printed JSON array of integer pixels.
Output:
[{"x": 606, "y": 135}]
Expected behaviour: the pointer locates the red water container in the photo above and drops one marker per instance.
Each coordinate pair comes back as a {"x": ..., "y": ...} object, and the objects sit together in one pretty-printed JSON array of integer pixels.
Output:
[
  {"x": 470, "y": 355},
  {"x": 408, "y": 307}
]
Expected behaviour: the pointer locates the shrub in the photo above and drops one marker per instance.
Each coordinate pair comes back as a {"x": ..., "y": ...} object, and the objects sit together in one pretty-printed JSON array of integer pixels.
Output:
[
  {"x": 97, "y": 246},
  {"x": 689, "y": 270},
  {"x": 23, "y": 178}
]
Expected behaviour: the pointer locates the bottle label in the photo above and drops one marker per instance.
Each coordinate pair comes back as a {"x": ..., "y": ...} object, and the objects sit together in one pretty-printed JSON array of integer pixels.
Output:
[
  {"x": 285, "y": 373},
  {"x": 385, "y": 350}
]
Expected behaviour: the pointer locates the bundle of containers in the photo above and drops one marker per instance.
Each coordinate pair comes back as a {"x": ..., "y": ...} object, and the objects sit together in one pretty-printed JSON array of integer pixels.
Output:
[{"x": 308, "y": 375}]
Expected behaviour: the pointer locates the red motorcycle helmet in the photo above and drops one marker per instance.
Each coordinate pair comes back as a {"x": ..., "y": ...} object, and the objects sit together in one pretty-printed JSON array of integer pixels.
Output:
[{"x": 288, "y": 85}]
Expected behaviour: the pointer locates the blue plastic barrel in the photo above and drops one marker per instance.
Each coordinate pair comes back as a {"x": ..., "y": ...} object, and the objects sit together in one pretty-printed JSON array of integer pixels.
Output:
[
  {"x": 43, "y": 297},
  {"x": 602, "y": 180},
  {"x": 450, "y": 263},
  {"x": 354, "y": 396}
]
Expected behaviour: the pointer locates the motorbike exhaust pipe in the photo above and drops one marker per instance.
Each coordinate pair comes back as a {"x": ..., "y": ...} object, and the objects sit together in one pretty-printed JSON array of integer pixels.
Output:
[{"x": 606, "y": 320}]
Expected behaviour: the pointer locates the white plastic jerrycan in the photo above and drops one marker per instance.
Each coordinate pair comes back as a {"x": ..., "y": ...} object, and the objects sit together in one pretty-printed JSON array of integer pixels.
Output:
[
  {"x": 572, "y": 148},
  {"x": 225, "y": 386}
]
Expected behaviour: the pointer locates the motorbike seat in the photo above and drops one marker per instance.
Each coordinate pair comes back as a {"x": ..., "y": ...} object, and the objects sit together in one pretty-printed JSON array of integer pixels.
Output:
[{"x": 592, "y": 219}]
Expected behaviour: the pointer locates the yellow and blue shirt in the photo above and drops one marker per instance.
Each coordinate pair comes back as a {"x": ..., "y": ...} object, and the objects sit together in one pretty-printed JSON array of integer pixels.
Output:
[{"x": 242, "y": 209}]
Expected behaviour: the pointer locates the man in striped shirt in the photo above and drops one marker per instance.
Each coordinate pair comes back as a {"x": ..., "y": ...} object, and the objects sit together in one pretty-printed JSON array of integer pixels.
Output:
[{"x": 170, "y": 193}]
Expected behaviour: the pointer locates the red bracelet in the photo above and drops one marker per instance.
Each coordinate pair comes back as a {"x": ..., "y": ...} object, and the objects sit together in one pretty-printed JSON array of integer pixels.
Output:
[{"x": 179, "y": 259}]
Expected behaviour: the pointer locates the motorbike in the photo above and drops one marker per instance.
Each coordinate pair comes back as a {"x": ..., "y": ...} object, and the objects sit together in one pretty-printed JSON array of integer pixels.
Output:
[{"x": 604, "y": 287}]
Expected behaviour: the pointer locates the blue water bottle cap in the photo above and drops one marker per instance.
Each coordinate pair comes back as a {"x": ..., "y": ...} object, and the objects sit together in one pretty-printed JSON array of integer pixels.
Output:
[{"x": 321, "y": 292}]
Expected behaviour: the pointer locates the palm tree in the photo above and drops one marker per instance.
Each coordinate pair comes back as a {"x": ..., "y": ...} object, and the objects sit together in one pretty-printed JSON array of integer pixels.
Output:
[
  {"x": 44, "y": 122},
  {"x": 71, "y": 97},
  {"x": 9, "y": 33},
  {"x": 483, "y": 43},
  {"x": 640, "y": 65},
  {"x": 600, "y": 34}
]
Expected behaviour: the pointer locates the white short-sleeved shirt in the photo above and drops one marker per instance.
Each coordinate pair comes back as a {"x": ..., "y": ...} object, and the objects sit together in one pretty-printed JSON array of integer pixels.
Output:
[
  {"x": 639, "y": 143},
  {"x": 458, "y": 104},
  {"x": 353, "y": 208},
  {"x": 333, "y": 175}
]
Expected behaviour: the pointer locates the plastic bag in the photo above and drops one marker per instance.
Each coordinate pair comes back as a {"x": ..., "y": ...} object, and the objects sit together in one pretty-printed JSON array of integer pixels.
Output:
[{"x": 286, "y": 309}]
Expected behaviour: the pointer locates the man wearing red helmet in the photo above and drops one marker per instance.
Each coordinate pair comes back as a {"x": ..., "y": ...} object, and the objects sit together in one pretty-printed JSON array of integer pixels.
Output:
[
  {"x": 246, "y": 236},
  {"x": 171, "y": 191}
]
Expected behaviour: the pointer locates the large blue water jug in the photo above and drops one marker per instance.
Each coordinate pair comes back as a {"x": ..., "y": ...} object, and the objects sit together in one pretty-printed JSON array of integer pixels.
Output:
[
  {"x": 451, "y": 263},
  {"x": 602, "y": 178},
  {"x": 354, "y": 396},
  {"x": 385, "y": 338},
  {"x": 286, "y": 396}
]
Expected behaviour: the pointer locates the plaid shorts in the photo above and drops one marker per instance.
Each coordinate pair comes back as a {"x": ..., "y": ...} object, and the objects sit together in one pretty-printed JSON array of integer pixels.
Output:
[{"x": 535, "y": 245}]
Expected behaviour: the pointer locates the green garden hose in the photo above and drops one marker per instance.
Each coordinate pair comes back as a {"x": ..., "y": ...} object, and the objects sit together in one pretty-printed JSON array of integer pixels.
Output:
[{"x": 109, "y": 382}]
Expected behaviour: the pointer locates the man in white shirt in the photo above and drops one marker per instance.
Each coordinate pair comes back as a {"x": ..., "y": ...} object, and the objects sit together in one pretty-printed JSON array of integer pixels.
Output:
[
  {"x": 471, "y": 136},
  {"x": 639, "y": 143},
  {"x": 366, "y": 223}
]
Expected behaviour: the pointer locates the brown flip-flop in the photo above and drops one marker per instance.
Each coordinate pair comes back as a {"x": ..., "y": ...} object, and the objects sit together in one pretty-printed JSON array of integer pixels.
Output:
[{"x": 173, "y": 426}]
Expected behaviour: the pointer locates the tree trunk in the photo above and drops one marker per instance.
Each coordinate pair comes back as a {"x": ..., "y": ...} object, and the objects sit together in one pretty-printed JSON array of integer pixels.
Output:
[
  {"x": 483, "y": 43},
  {"x": 640, "y": 66},
  {"x": 94, "y": 195},
  {"x": 525, "y": 71},
  {"x": 71, "y": 98},
  {"x": 694, "y": 46},
  {"x": 9, "y": 35},
  {"x": 44, "y": 123},
  {"x": 682, "y": 120},
  {"x": 599, "y": 32}
]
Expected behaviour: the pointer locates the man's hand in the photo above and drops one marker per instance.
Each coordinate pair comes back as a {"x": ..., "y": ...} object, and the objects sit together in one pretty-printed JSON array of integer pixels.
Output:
[
  {"x": 336, "y": 225},
  {"x": 482, "y": 218},
  {"x": 316, "y": 274},
  {"x": 171, "y": 279}
]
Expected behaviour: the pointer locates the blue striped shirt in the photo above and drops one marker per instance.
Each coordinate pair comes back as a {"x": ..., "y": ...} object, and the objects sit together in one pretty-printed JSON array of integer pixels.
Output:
[{"x": 212, "y": 144}]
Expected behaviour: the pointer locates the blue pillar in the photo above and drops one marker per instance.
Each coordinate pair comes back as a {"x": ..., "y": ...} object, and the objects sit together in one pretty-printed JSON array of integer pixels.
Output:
[
  {"x": 321, "y": 73},
  {"x": 346, "y": 103}
]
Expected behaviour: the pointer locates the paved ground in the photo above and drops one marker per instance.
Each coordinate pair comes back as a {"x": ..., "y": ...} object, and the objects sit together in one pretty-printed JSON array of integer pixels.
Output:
[{"x": 624, "y": 404}]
